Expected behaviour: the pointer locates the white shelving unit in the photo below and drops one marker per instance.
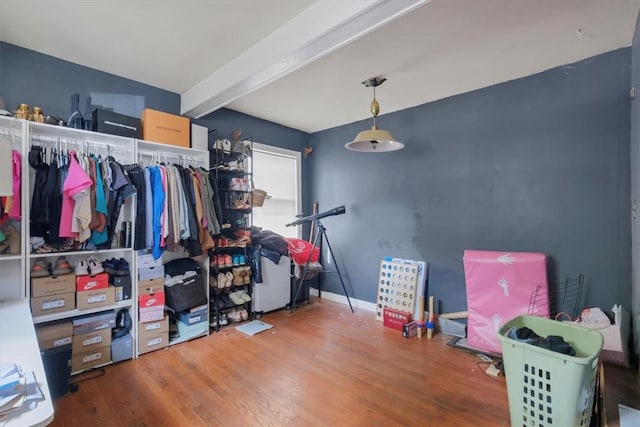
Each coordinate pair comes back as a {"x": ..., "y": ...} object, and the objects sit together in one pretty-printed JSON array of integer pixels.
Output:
[
  {"x": 15, "y": 268},
  {"x": 148, "y": 153},
  {"x": 12, "y": 266}
]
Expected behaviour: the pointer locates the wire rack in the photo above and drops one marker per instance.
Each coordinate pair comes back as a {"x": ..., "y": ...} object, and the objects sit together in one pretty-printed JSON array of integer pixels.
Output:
[{"x": 559, "y": 299}]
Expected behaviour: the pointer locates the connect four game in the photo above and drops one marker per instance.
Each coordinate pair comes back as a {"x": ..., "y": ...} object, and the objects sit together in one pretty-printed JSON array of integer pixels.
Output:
[{"x": 398, "y": 286}]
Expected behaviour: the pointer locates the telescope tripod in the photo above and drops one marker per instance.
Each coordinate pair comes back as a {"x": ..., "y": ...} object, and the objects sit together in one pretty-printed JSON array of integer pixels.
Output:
[{"x": 321, "y": 232}]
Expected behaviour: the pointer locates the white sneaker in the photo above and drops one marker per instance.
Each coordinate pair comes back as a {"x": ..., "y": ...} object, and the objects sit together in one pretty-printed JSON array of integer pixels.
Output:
[
  {"x": 95, "y": 266},
  {"x": 81, "y": 268}
]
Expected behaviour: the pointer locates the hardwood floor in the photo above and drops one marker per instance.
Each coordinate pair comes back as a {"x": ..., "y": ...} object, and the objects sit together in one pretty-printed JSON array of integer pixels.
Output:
[{"x": 319, "y": 366}]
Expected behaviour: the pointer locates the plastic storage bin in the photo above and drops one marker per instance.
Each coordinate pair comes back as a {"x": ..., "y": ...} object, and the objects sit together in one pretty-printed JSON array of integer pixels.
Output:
[{"x": 547, "y": 388}]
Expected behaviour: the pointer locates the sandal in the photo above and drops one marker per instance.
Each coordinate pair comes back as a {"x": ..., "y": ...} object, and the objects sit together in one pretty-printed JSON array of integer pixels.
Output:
[{"x": 45, "y": 248}]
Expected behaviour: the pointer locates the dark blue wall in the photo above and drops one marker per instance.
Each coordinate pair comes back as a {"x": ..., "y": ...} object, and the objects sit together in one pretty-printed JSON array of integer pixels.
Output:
[
  {"x": 538, "y": 164},
  {"x": 47, "y": 82}
]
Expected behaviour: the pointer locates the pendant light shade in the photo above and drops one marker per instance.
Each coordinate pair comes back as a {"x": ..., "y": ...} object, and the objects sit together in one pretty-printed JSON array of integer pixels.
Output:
[{"x": 374, "y": 140}]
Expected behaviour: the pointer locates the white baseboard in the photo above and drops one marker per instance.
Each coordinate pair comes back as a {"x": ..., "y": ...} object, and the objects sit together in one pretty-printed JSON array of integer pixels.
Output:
[{"x": 356, "y": 303}]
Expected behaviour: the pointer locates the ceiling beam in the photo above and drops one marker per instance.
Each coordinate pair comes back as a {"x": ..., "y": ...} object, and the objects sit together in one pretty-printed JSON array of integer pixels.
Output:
[{"x": 320, "y": 29}]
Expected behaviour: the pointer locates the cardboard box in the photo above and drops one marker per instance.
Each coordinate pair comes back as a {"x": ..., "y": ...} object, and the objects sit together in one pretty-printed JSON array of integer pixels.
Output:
[
  {"x": 89, "y": 359},
  {"x": 151, "y": 314},
  {"x": 152, "y": 328},
  {"x": 166, "y": 128},
  {"x": 53, "y": 304},
  {"x": 92, "y": 283},
  {"x": 395, "y": 319},
  {"x": 106, "y": 121},
  {"x": 148, "y": 302},
  {"x": 152, "y": 286},
  {"x": 122, "y": 348},
  {"x": 54, "y": 334},
  {"x": 94, "y": 322},
  {"x": 123, "y": 287},
  {"x": 52, "y": 285},
  {"x": 153, "y": 342},
  {"x": 147, "y": 260},
  {"x": 191, "y": 318},
  {"x": 151, "y": 272},
  {"x": 91, "y": 340},
  {"x": 98, "y": 298}
]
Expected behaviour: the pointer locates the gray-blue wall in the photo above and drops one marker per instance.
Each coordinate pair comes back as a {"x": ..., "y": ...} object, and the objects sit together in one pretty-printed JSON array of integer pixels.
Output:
[
  {"x": 47, "y": 82},
  {"x": 538, "y": 164}
]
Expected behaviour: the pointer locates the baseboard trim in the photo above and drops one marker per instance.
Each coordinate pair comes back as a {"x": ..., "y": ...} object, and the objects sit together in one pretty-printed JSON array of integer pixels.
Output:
[{"x": 356, "y": 303}]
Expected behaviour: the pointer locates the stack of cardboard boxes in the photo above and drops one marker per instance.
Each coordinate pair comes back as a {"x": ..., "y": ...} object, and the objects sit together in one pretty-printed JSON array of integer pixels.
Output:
[
  {"x": 153, "y": 327},
  {"x": 53, "y": 294},
  {"x": 91, "y": 342}
]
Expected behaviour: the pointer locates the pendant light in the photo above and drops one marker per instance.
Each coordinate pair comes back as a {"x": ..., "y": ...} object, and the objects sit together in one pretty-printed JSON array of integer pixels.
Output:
[{"x": 374, "y": 140}]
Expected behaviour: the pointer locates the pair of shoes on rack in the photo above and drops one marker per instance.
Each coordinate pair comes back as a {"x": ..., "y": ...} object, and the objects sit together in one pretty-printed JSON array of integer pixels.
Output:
[
  {"x": 89, "y": 267},
  {"x": 238, "y": 315},
  {"x": 225, "y": 279},
  {"x": 116, "y": 267},
  {"x": 239, "y": 297},
  {"x": 239, "y": 260},
  {"x": 43, "y": 268},
  {"x": 11, "y": 242},
  {"x": 241, "y": 275},
  {"x": 224, "y": 261}
]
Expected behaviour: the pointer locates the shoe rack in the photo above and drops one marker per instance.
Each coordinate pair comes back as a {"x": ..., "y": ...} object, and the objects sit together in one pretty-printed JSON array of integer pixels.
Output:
[{"x": 231, "y": 276}]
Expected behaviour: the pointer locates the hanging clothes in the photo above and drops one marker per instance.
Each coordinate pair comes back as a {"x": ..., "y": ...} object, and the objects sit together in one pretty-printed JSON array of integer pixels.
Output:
[{"x": 76, "y": 206}]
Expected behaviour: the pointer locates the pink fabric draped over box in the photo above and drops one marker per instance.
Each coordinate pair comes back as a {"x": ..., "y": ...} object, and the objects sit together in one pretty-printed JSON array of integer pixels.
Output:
[{"x": 500, "y": 286}]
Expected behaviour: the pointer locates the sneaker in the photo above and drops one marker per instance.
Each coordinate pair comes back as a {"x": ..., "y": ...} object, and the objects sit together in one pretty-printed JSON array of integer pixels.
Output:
[
  {"x": 110, "y": 266},
  {"x": 61, "y": 267},
  {"x": 95, "y": 266},
  {"x": 234, "y": 316},
  {"x": 81, "y": 269},
  {"x": 236, "y": 298},
  {"x": 244, "y": 314},
  {"x": 220, "y": 261},
  {"x": 41, "y": 268},
  {"x": 228, "y": 262},
  {"x": 223, "y": 319},
  {"x": 122, "y": 267},
  {"x": 229, "y": 278},
  {"x": 244, "y": 295}
]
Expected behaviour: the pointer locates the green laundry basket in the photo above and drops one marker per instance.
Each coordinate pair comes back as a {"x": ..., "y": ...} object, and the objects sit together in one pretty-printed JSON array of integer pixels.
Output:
[{"x": 547, "y": 388}]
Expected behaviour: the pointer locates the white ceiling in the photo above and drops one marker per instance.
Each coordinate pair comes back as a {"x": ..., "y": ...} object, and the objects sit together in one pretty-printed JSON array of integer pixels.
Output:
[{"x": 300, "y": 62}]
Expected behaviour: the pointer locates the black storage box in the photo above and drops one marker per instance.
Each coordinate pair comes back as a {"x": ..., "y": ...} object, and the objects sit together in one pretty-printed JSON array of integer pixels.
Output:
[
  {"x": 106, "y": 121},
  {"x": 189, "y": 293},
  {"x": 57, "y": 368}
]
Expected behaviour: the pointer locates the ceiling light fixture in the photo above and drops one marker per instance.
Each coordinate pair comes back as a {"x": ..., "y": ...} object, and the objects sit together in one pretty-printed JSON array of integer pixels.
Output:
[{"x": 374, "y": 140}]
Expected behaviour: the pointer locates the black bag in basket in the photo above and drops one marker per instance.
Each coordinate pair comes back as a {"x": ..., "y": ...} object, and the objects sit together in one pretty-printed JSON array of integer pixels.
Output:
[
  {"x": 188, "y": 293},
  {"x": 179, "y": 266}
]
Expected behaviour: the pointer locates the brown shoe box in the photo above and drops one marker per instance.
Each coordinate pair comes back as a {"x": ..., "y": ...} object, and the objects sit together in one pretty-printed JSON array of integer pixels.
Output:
[
  {"x": 50, "y": 304},
  {"x": 153, "y": 335},
  {"x": 151, "y": 286},
  {"x": 52, "y": 285},
  {"x": 89, "y": 359},
  {"x": 96, "y": 298},
  {"x": 54, "y": 334},
  {"x": 90, "y": 341}
]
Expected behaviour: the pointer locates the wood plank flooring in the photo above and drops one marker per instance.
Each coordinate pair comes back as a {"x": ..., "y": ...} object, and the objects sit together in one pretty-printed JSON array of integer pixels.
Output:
[{"x": 319, "y": 366}]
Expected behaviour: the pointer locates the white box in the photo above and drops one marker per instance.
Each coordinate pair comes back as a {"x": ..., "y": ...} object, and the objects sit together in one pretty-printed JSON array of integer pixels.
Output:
[
  {"x": 148, "y": 261},
  {"x": 199, "y": 137}
]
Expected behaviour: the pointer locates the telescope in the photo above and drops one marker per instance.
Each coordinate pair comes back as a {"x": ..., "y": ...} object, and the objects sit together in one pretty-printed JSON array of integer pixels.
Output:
[{"x": 335, "y": 211}]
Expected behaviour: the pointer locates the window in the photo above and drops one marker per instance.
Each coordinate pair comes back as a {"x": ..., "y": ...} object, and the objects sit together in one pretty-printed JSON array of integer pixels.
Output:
[{"x": 277, "y": 171}]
